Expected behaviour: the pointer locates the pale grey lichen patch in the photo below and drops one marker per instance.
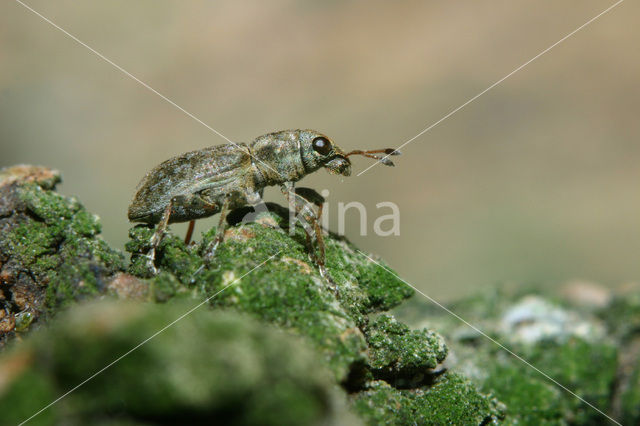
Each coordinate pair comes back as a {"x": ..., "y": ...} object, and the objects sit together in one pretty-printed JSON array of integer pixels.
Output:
[
  {"x": 533, "y": 319},
  {"x": 571, "y": 344}
]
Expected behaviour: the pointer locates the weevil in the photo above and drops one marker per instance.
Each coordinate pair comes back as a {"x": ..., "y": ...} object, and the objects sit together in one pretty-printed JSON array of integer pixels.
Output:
[{"x": 221, "y": 178}]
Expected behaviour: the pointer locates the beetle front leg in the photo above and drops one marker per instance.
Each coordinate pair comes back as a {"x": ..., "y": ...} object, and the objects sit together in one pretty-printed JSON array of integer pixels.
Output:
[
  {"x": 210, "y": 251},
  {"x": 302, "y": 200},
  {"x": 305, "y": 197}
]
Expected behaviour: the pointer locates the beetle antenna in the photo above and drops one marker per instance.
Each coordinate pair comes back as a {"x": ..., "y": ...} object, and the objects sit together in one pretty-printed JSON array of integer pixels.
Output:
[{"x": 371, "y": 154}]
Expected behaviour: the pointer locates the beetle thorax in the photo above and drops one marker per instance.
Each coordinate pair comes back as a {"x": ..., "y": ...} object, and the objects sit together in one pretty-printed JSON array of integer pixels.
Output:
[{"x": 277, "y": 156}]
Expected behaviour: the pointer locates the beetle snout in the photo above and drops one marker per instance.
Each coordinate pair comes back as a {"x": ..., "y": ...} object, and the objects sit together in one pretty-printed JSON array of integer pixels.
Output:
[{"x": 339, "y": 166}]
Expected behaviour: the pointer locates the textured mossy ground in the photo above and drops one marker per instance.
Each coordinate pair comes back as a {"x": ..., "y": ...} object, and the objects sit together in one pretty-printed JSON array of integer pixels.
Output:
[
  {"x": 592, "y": 351},
  {"x": 219, "y": 367},
  {"x": 286, "y": 290},
  {"x": 365, "y": 348},
  {"x": 272, "y": 343},
  {"x": 357, "y": 352},
  {"x": 50, "y": 255}
]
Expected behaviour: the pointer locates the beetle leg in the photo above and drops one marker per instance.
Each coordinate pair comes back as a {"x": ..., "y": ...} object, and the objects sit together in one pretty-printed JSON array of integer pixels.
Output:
[
  {"x": 309, "y": 231},
  {"x": 157, "y": 237},
  {"x": 315, "y": 230},
  {"x": 309, "y": 216},
  {"x": 213, "y": 246},
  {"x": 319, "y": 235},
  {"x": 306, "y": 197},
  {"x": 187, "y": 238},
  {"x": 302, "y": 200},
  {"x": 288, "y": 189}
]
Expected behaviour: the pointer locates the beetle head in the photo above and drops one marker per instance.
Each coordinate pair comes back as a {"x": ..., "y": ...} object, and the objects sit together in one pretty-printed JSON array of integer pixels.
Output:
[{"x": 317, "y": 151}]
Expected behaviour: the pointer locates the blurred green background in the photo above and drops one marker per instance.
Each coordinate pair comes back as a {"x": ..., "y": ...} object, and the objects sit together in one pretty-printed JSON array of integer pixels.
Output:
[{"x": 536, "y": 182}]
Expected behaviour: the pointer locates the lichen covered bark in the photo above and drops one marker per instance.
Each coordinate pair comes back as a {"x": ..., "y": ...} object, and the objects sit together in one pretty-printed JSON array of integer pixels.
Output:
[
  {"x": 50, "y": 252},
  {"x": 590, "y": 350},
  {"x": 366, "y": 351},
  {"x": 211, "y": 367},
  {"x": 355, "y": 345},
  {"x": 449, "y": 400}
]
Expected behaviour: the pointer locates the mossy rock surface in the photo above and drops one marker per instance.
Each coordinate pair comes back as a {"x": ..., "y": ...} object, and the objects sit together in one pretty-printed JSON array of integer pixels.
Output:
[
  {"x": 261, "y": 272},
  {"x": 450, "y": 400},
  {"x": 209, "y": 366},
  {"x": 623, "y": 319},
  {"x": 264, "y": 270},
  {"x": 579, "y": 347},
  {"x": 274, "y": 333},
  {"x": 400, "y": 355},
  {"x": 50, "y": 253}
]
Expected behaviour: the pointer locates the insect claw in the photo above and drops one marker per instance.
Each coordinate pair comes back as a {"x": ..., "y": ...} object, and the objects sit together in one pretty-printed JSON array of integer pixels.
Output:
[
  {"x": 332, "y": 285},
  {"x": 151, "y": 256},
  {"x": 211, "y": 251},
  {"x": 198, "y": 271}
]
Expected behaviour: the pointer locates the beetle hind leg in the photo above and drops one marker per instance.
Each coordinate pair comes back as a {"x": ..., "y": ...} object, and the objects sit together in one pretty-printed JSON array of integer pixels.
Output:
[{"x": 157, "y": 237}]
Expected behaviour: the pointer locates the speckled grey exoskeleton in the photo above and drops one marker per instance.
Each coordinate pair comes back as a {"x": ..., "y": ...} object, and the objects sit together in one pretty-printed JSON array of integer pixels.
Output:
[{"x": 214, "y": 180}]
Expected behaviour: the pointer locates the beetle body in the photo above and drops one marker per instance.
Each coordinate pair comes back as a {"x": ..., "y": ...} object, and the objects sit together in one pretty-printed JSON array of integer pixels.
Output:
[
  {"x": 199, "y": 181},
  {"x": 217, "y": 179}
]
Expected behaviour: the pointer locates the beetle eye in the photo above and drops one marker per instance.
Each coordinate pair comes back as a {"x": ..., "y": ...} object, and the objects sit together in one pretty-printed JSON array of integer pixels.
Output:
[{"x": 321, "y": 145}]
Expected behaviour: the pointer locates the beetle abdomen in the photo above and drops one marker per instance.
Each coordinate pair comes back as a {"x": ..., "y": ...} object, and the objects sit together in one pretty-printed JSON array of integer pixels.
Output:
[
  {"x": 183, "y": 178},
  {"x": 139, "y": 215}
]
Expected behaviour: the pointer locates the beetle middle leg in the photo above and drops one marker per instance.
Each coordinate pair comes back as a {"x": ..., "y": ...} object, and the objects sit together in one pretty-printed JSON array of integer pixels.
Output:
[
  {"x": 213, "y": 246},
  {"x": 187, "y": 238}
]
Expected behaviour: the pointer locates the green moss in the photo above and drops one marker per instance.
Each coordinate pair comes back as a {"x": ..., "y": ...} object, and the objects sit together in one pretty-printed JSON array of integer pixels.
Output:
[
  {"x": 86, "y": 224},
  {"x": 588, "y": 366},
  {"x": 287, "y": 290},
  {"x": 219, "y": 364},
  {"x": 451, "y": 399},
  {"x": 29, "y": 241},
  {"x": 23, "y": 320},
  {"x": 55, "y": 242},
  {"x": 623, "y": 316},
  {"x": 208, "y": 366},
  {"x": 19, "y": 399},
  {"x": 529, "y": 400},
  {"x": 49, "y": 206},
  {"x": 587, "y": 369},
  {"x": 630, "y": 397},
  {"x": 398, "y": 352}
]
